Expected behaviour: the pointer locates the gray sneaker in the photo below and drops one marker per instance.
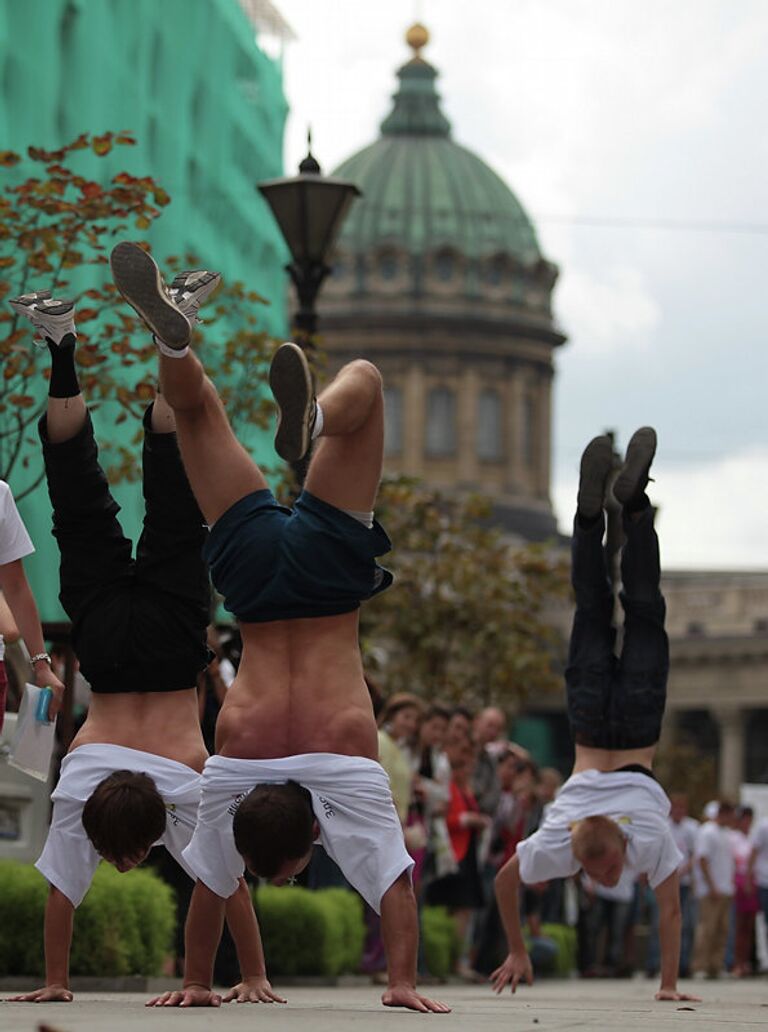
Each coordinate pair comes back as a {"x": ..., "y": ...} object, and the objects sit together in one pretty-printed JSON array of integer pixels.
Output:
[
  {"x": 190, "y": 289},
  {"x": 138, "y": 279},
  {"x": 594, "y": 471},
  {"x": 629, "y": 486},
  {"x": 52, "y": 317},
  {"x": 290, "y": 379}
]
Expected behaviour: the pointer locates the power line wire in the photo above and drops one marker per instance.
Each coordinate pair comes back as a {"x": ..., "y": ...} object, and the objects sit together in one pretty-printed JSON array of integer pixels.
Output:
[{"x": 673, "y": 225}]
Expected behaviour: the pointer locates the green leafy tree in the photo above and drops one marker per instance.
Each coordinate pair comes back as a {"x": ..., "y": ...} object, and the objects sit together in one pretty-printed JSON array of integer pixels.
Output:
[
  {"x": 468, "y": 620},
  {"x": 54, "y": 225}
]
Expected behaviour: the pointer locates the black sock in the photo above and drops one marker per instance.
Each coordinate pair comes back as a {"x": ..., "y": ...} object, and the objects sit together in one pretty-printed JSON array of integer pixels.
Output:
[{"x": 63, "y": 382}]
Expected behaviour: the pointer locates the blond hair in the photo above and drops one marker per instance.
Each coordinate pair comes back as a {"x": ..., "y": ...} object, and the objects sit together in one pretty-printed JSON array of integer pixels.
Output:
[{"x": 592, "y": 837}]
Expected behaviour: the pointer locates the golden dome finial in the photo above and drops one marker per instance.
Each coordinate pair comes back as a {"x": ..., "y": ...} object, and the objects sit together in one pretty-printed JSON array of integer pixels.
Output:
[{"x": 417, "y": 37}]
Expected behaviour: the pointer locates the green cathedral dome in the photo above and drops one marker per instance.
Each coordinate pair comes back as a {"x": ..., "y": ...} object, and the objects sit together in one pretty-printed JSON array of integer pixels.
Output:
[{"x": 424, "y": 193}]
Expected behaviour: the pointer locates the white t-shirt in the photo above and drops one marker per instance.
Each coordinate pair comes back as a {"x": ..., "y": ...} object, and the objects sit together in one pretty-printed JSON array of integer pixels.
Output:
[
  {"x": 351, "y": 799},
  {"x": 15, "y": 542},
  {"x": 714, "y": 843},
  {"x": 684, "y": 833},
  {"x": 622, "y": 892},
  {"x": 636, "y": 802},
  {"x": 68, "y": 860},
  {"x": 759, "y": 840}
]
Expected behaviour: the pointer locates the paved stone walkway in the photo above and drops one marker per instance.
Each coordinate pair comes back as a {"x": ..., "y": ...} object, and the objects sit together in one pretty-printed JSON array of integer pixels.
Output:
[{"x": 547, "y": 1007}]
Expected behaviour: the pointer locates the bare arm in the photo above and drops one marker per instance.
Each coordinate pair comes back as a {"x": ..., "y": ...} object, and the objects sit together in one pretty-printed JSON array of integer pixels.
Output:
[
  {"x": 706, "y": 872},
  {"x": 670, "y": 924},
  {"x": 254, "y": 986},
  {"x": 15, "y": 587},
  {"x": 518, "y": 964},
  {"x": 202, "y": 934},
  {"x": 59, "y": 916},
  {"x": 400, "y": 934}
]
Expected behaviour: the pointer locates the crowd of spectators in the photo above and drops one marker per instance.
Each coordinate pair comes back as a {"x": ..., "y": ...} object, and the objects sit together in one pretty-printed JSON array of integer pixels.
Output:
[{"x": 467, "y": 795}]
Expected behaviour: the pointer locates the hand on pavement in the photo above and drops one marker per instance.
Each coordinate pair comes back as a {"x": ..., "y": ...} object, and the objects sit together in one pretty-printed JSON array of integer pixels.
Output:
[
  {"x": 189, "y": 996},
  {"x": 48, "y": 994},
  {"x": 253, "y": 990},
  {"x": 675, "y": 996},
  {"x": 516, "y": 967},
  {"x": 406, "y": 996}
]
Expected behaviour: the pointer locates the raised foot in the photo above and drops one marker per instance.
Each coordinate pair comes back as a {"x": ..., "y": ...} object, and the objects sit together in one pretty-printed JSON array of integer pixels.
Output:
[
  {"x": 138, "y": 279},
  {"x": 633, "y": 478},
  {"x": 290, "y": 379}
]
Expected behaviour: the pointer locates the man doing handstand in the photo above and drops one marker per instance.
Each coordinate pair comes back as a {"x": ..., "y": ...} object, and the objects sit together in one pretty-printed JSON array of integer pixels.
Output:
[
  {"x": 296, "y": 738},
  {"x": 131, "y": 778},
  {"x": 611, "y": 811}
]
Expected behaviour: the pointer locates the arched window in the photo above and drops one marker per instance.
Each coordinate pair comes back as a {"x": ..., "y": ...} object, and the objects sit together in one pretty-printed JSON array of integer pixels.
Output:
[
  {"x": 393, "y": 421},
  {"x": 388, "y": 265},
  {"x": 489, "y": 426},
  {"x": 445, "y": 266},
  {"x": 441, "y": 423}
]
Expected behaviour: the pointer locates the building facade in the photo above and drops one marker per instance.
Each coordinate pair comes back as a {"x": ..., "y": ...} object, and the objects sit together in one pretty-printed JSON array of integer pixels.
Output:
[
  {"x": 202, "y": 92},
  {"x": 439, "y": 279}
]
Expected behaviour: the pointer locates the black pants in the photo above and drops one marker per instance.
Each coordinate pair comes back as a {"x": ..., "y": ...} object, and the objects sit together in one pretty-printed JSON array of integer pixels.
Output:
[
  {"x": 617, "y": 703},
  {"x": 138, "y": 624}
]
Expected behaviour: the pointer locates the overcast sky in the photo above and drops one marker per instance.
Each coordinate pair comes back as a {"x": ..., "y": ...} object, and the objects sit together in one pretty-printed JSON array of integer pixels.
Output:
[{"x": 634, "y": 134}]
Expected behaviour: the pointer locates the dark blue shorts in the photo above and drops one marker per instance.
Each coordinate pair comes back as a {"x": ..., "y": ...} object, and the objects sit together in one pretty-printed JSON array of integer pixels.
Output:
[{"x": 274, "y": 563}]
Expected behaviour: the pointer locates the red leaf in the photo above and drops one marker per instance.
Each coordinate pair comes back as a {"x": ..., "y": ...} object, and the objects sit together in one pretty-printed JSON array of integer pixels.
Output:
[
  {"x": 91, "y": 191},
  {"x": 21, "y": 400},
  {"x": 102, "y": 144},
  {"x": 9, "y": 158}
]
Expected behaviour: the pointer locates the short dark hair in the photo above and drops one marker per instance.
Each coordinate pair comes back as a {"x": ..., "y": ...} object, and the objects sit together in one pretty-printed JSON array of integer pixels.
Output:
[
  {"x": 462, "y": 711},
  {"x": 125, "y": 815},
  {"x": 274, "y": 823},
  {"x": 437, "y": 709}
]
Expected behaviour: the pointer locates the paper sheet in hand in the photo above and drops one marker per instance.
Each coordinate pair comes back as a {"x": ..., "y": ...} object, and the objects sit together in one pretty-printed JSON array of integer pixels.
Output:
[{"x": 32, "y": 745}]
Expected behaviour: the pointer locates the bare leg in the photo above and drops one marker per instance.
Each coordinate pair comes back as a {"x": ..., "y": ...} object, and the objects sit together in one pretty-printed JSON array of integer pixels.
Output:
[
  {"x": 66, "y": 417},
  {"x": 219, "y": 469},
  {"x": 162, "y": 420},
  {"x": 346, "y": 468}
]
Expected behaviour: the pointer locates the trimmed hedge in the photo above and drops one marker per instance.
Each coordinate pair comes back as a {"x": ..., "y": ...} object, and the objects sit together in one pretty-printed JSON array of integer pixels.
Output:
[
  {"x": 310, "y": 932},
  {"x": 564, "y": 937},
  {"x": 124, "y": 926},
  {"x": 440, "y": 942}
]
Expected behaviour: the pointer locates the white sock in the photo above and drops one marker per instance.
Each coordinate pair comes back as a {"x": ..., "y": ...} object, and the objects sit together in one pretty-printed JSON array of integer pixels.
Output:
[
  {"x": 169, "y": 352},
  {"x": 317, "y": 429}
]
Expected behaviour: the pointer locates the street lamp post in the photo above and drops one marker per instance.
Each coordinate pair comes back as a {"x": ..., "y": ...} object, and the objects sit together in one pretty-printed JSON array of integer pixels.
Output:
[{"x": 309, "y": 209}]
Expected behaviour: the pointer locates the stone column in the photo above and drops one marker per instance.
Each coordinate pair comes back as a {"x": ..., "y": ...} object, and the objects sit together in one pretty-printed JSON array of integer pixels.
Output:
[
  {"x": 514, "y": 430},
  {"x": 414, "y": 404},
  {"x": 544, "y": 430},
  {"x": 466, "y": 426},
  {"x": 731, "y": 768}
]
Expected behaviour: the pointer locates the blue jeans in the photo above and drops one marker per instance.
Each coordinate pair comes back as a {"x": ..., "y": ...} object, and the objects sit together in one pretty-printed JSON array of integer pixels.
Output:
[
  {"x": 688, "y": 907},
  {"x": 617, "y": 702}
]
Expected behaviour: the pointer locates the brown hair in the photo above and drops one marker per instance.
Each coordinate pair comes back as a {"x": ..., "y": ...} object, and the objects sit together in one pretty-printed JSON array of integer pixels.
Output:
[
  {"x": 124, "y": 816},
  {"x": 399, "y": 701},
  {"x": 592, "y": 837},
  {"x": 273, "y": 824}
]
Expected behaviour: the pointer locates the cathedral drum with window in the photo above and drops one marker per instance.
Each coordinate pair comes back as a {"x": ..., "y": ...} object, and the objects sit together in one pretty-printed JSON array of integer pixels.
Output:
[{"x": 438, "y": 278}]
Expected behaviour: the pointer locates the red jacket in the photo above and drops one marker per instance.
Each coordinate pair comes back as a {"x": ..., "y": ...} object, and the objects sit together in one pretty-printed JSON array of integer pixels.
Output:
[{"x": 462, "y": 801}]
